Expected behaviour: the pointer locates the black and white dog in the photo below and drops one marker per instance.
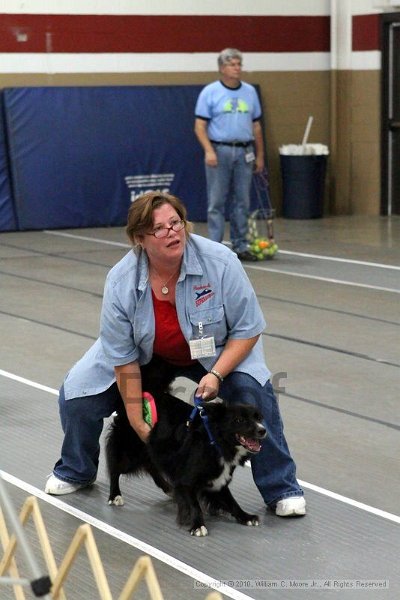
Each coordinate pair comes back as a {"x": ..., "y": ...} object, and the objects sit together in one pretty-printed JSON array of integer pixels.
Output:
[{"x": 191, "y": 454}]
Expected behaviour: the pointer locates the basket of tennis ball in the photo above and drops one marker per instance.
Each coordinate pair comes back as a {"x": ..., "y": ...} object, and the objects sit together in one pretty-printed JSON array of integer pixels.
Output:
[{"x": 263, "y": 247}]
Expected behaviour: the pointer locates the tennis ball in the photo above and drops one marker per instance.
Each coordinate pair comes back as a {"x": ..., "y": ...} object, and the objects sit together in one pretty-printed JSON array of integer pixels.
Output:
[{"x": 149, "y": 409}]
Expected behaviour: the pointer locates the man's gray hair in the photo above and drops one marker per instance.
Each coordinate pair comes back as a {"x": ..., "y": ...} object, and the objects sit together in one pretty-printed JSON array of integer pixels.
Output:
[{"x": 227, "y": 55}]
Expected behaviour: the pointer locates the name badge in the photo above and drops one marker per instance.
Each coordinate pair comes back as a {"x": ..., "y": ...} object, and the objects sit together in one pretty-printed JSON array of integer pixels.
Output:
[{"x": 203, "y": 346}]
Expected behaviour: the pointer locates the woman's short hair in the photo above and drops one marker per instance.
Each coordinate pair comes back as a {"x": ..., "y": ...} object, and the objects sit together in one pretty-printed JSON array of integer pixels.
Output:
[
  {"x": 227, "y": 55},
  {"x": 140, "y": 214}
]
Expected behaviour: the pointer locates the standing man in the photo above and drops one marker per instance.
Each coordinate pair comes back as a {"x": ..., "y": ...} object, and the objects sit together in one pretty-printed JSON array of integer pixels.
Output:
[{"x": 228, "y": 127}]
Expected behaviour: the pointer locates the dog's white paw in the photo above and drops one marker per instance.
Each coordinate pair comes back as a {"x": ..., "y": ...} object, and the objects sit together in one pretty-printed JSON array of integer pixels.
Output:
[
  {"x": 200, "y": 531},
  {"x": 253, "y": 522},
  {"x": 118, "y": 501}
]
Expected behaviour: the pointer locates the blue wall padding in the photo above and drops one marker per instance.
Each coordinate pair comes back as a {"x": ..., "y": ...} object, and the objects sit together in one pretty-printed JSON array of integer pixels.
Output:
[
  {"x": 7, "y": 214},
  {"x": 74, "y": 150}
]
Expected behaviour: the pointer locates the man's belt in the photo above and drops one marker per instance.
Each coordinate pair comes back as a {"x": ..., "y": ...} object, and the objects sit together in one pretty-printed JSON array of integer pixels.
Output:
[{"x": 238, "y": 144}]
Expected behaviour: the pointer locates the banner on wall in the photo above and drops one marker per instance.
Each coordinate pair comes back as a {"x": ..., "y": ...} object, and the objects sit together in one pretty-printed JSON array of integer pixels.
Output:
[
  {"x": 80, "y": 155},
  {"x": 7, "y": 214}
]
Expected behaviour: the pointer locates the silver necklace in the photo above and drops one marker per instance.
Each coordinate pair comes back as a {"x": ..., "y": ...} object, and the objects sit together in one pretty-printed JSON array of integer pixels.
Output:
[{"x": 164, "y": 288}]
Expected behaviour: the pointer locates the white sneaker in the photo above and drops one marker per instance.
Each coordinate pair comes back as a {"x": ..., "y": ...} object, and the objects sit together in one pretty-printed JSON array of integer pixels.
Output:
[
  {"x": 294, "y": 506},
  {"x": 57, "y": 487}
]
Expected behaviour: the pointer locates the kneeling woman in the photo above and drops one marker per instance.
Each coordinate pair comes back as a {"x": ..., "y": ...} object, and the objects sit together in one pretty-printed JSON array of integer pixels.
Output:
[{"x": 187, "y": 299}]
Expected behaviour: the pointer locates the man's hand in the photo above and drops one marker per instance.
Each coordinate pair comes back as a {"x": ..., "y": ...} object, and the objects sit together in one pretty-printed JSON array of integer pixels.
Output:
[
  {"x": 200, "y": 129},
  {"x": 210, "y": 158},
  {"x": 259, "y": 164},
  {"x": 259, "y": 144}
]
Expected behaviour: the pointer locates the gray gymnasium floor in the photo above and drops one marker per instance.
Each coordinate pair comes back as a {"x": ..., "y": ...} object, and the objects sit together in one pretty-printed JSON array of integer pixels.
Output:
[{"x": 331, "y": 299}]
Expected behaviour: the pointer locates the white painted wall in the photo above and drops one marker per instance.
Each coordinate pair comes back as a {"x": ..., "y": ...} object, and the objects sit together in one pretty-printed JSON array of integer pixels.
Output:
[
  {"x": 167, "y": 7},
  {"x": 192, "y": 7},
  {"x": 341, "y": 56}
]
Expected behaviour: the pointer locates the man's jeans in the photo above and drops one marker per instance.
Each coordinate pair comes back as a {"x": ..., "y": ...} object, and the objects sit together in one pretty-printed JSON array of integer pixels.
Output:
[
  {"x": 273, "y": 468},
  {"x": 229, "y": 180}
]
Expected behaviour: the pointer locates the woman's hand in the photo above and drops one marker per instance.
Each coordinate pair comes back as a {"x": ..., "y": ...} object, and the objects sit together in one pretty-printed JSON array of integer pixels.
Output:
[
  {"x": 143, "y": 430},
  {"x": 208, "y": 387},
  {"x": 233, "y": 354},
  {"x": 129, "y": 383}
]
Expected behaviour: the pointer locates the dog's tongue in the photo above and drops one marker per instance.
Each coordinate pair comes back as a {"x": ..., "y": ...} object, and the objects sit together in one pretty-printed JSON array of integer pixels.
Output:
[{"x": 250, "y": 444}]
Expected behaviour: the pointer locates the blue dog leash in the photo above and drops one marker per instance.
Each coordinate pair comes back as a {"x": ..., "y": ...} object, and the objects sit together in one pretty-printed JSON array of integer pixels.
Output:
[{"x": 199, "y": 408}]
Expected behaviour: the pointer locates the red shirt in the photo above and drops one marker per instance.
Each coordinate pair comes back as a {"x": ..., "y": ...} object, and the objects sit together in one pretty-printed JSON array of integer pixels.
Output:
[{"x": 169, "y": 342}]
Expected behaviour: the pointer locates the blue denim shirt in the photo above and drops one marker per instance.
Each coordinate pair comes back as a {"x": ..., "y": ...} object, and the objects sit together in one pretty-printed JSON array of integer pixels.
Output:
[{"x": 212, "y": 289}]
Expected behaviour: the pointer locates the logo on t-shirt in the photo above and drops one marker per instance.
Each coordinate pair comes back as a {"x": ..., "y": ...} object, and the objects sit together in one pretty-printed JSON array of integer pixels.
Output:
[{"x": 234, "y": 105}]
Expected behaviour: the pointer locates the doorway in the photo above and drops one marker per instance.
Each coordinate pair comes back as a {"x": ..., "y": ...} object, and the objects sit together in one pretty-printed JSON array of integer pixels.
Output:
[{"x": 390, "y": 152}]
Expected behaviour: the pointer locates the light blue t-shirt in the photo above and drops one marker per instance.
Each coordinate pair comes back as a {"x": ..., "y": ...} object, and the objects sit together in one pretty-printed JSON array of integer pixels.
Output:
[
  {"x": 230, "y": 112},
  {"x": 212, "y": 288}
]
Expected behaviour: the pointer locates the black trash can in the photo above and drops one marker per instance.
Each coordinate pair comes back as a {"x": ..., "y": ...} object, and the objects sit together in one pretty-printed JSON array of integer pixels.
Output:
[{"x": 303, "y": 182}]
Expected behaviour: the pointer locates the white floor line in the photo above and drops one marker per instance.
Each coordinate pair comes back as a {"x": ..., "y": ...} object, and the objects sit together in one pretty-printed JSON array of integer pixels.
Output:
[
  {"x": 128, "y": 539},
  {"x": 227, "y": 243},
  {"x": 376, "y": 511},
  {"x": 371, "y": 509},
  {"x": 260, "y": 268},
  {"x": 344, "y": 260},
  {"x": 33, "y": 384},
  {"x": 87, "y": 238},
  {"x": 326, "y": 279}
]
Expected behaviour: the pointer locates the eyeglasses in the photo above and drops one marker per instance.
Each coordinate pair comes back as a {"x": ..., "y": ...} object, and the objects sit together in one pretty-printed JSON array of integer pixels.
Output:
[{"x": 162, "y": 232}]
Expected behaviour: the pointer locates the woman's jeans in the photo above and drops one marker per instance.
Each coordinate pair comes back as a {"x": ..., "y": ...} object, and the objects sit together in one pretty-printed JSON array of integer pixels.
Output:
[
  {"x": 229, "y": 180},
  {"x": 273, "y": 468}
]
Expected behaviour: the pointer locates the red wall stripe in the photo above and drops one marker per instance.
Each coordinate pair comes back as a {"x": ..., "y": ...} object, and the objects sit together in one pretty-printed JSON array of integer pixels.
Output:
[
  {"x": 366, "y": 33},
  {"x": 94, "y": 33}
]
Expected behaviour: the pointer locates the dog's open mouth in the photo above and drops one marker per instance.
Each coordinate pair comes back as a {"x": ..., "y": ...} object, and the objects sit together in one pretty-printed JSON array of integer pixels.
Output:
[{"x": 250, "y": 444}]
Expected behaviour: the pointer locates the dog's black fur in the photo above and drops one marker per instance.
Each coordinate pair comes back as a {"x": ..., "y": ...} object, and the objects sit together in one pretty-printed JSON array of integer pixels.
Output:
[{"x": 180, "y": 458}]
